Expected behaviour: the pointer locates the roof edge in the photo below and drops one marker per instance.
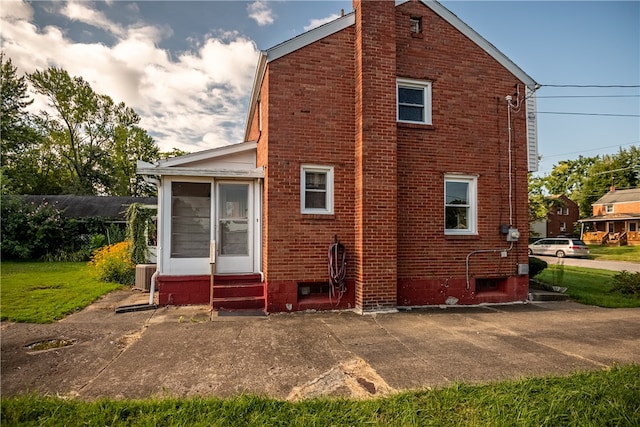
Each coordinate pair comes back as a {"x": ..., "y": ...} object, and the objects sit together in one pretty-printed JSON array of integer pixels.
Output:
[
  {"x": 207, "y": 154},
  {"x": 475, "y": 37}
]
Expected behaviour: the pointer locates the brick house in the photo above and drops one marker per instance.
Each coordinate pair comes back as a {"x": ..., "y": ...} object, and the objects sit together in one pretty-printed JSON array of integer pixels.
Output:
[
  {"x": 615, "y": 220},
  {"x": 560, "y": 220},
  {"x": 395, "y": 129}
]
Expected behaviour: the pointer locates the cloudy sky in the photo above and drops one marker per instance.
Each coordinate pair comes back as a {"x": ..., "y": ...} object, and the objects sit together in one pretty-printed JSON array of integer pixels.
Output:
[{"x": 187, "y": 67}]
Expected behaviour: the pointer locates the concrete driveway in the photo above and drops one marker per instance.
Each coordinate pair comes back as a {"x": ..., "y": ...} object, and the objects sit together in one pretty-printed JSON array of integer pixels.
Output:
[{"x": 179, "y": 351}]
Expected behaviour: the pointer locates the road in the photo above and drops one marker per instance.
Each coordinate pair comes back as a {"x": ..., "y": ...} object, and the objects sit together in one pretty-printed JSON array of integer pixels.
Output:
[{"x": 590, "y": 263}]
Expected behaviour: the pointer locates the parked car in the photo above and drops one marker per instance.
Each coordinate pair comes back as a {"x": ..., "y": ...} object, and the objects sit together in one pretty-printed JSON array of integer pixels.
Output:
[{"x": 560, "y": 247}]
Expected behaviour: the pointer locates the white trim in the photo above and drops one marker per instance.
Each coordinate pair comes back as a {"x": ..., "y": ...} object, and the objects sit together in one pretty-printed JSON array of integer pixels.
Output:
[
  {"x": 310, "y": 36},
  {"x": 208, "y": 154},
  {"x": 328, "y": 170},
  {"x": 180, "y": 266},
  {"x": 423, "y": 85},
  {"x": 206, "y": 172},
  {"x": 472, "y": 181}
]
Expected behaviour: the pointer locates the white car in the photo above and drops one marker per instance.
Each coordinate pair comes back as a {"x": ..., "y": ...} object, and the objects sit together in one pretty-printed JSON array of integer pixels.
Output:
[{"x": 560, "y": 247}]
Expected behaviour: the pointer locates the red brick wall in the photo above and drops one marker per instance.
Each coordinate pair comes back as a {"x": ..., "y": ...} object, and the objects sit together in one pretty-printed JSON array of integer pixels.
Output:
[
  {"x": 376, "y": 215},
  {"x": 468, "y": 135},
  {"x": 309, "y": 116},
  {"x": 326, "y": 104}
]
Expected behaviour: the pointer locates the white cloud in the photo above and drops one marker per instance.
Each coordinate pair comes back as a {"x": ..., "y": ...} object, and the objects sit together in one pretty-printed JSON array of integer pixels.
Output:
[
  {"x": 314, "y": 23},
  {"x": 193, "y": 101},
  {"x": 81, "y": 12},
  {"x": 261, "y": 13},
  {"x": 12, "y": 10}
]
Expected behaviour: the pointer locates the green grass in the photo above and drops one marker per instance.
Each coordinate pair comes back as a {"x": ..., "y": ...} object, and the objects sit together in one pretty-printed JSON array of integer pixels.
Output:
[
  {"x": 587, "y": 285},
  {"x": 43, "y": 292},
  {"x": 615, "y": 253},
  {"x": 600, "y": 398}
]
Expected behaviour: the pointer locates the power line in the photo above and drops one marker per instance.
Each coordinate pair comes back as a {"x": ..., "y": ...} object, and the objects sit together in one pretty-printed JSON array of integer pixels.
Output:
[
  {"x": 592, "y": 86},
  {"x": 589, "y": 114},
  {"x": 593, "y": 149},
  {"x": 588, "y": 96}
]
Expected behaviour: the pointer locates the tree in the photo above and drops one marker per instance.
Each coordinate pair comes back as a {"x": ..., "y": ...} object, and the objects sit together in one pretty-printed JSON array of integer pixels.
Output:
[
  {"x": 19, "y": 135},
  {"x": 96, "y": 139},
  {"x": 585, "y": 180}
]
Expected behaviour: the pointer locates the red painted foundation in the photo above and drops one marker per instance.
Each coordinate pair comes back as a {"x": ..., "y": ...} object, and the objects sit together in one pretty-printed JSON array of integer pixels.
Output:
[
  {"x": 183, "y": 290},
  {"x": 285, "y": 296},
  {"x": 423, "y": 292}
]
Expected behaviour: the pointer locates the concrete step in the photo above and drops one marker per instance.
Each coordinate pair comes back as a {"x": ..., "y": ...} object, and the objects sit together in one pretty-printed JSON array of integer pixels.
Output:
[{"x": 544, "y": 295}]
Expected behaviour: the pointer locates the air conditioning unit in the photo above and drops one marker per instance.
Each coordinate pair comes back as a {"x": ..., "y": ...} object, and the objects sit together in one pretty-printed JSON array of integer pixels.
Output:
[{"x": 143, "y": 276}]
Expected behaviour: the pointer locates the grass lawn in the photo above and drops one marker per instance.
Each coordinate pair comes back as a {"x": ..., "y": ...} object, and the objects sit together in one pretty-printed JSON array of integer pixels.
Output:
[
  {"x": 43, "y": 292},
  {"x": 615, "y": 253},
  {"x": 587, "y": 285},
  {"x": 606, "y": 397}
]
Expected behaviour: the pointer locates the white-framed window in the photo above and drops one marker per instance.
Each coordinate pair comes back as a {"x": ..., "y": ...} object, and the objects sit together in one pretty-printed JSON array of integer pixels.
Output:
[
  {"x": 460, "y": 204},
  {"x": 316, "y": 189},
  {"x": 414, "y": 101},
  {"x": 608, "y": 209},
  {"x": 562, "y": 211},
  {"x": 563, "y": 227},
  {"x": 190, "y": 219}
]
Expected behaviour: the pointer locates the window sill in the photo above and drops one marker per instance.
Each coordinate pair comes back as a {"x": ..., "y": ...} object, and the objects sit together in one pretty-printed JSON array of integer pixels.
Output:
[
  {"x": 415, "y": 126},
  {"x": 318, "y": 216},
  {"x": 461, "y": 237}
]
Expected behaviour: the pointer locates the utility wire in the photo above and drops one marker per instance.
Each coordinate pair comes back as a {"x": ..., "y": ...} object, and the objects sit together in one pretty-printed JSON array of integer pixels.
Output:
[
  {"x": 588, "y": 96},
  {"x": 589, "y": 114},
  {"x": 593, "y": 86},
  {"x": 593, "y": 149}
]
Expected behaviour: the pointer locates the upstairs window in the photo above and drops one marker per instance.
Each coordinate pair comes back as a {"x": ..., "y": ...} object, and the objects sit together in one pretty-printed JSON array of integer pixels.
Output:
[
  {"x": 608, "y": 209},
  {"x": 414, "y": 101},
  {"x": 460, "y": 211},
  {"x": 416, "y": 25},
  {"x": 316, "y": 189}
]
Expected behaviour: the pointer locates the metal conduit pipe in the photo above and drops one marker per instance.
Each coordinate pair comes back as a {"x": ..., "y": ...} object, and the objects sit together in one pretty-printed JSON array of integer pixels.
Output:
[{"x": 479, "y": 252}]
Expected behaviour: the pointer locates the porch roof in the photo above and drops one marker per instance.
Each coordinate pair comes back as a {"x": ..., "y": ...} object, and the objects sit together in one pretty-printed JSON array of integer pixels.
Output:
[{"x": 612, "y": 217}]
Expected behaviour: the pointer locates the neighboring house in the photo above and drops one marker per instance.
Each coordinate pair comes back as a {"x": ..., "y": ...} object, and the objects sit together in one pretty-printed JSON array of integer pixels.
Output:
[
  {"x": 395, "y": 129},
  {"x": 615, "y": 219},
  {"x": 560, "y": 220}
]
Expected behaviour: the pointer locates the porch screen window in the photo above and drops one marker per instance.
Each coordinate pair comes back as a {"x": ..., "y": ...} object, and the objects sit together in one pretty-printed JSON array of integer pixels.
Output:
[
  {"x": 414, "y": 101},
  {"x": 460, "y": 205},
  {"x": 317, "y": 189},
  {"x": 190, "y": 219}
]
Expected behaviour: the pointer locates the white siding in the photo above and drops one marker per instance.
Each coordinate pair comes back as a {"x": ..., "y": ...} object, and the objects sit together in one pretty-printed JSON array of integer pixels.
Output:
[{"x": 532, "y": 130}]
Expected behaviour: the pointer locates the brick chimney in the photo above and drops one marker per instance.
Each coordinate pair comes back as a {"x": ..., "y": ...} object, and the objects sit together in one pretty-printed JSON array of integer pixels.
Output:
[{"x": 376, "y": 156}]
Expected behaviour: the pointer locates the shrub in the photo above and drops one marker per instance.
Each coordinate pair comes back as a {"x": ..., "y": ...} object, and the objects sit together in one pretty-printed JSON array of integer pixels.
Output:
[
  {"x": 113, "y": 263},
  {"x": 536, "y": 265},
  {"x": 627, "y": 283},
  {"x": 31, "y": 231}
]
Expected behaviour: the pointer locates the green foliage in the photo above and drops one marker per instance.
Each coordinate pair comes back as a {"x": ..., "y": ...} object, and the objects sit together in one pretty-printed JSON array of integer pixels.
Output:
[
  {"x": 606, "y": 397},
  {"x": 112, "y": 263},
  {"x": 31, "y": 231},
  {"x": 589, "y": 286},
  {"x": 627, "y": 283},
  {"x": 139, "y": 220},
  {"x": 585, "y": 180},
  {"x": 43, "y": 292},
  {"x": 536, "y": 265},
  {"x": 88, "y": 145}
]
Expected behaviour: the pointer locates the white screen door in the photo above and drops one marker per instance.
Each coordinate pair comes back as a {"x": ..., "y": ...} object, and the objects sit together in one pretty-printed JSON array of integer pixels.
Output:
[{"x": 235, "y": 231}]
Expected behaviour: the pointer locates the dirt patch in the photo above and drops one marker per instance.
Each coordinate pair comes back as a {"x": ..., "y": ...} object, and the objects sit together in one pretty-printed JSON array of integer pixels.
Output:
[{"x": 353, "y": 379}]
